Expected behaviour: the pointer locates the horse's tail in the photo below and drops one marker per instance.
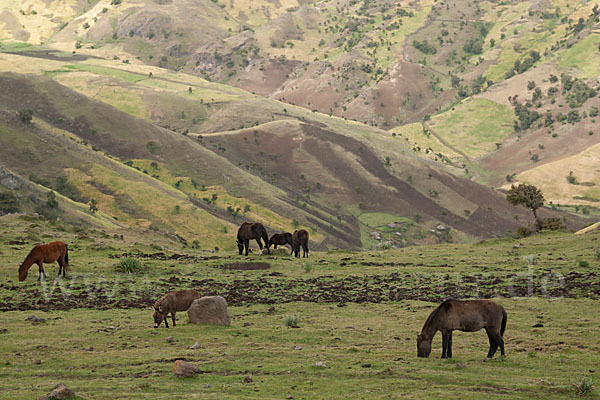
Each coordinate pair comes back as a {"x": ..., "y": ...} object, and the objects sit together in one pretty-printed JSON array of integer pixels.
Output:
[
  {"x": 66, "y": 255},
  {"x": 503, "y": 326}
]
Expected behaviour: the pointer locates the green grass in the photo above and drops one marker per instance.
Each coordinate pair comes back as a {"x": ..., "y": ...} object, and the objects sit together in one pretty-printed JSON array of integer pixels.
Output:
[
  {"x": 102, "y": 350},
  {"x": 474, "y": 126},
  {"x": 583, "y": 56}
]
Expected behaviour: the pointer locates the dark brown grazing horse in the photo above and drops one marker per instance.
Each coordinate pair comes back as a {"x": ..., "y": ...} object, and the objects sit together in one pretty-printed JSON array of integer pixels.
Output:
[
  {"x": 250, "y": 231},
  {"x": 45, "y": 253},
  {"x": 300, "y": 238},
  {"x": 280, "y": 239},
  {"x": 466, "y": 316}
]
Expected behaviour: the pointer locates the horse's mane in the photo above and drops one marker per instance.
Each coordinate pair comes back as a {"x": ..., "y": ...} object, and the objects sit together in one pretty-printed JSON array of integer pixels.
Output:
[
  {"x": 29, "y": 255},
  {"x": 435, "y": 312}
]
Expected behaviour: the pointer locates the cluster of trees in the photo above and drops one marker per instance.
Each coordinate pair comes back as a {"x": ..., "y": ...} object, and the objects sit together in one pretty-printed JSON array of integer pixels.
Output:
[{"x": 521, "y": 66}]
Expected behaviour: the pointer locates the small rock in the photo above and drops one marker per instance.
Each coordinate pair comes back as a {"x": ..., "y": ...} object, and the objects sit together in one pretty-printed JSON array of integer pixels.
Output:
[
  {"x": 320, "y": 364},
  {"x": 247, "y": 379},
  {"x": 461, "y": 366},
  {"x": 366, "y": 365},
  {"x": 392, "y": 225},
  {"x": 60, "y": 392},
  {"x": 297, "y": 347},
  {"x": 195, "y": 346},
  {"x": 247, "y": 324},
  {"x": 35, "y": 319},
  {"x": 538, "y": 325},
  {"x": 170, "y": 339},
  {"x": 183, "y": 369},
  {"x": 207, "y": 386},
  {"x": 440, "y": 227},
  {"x": 3, "y": 330},
  {"x": 37, "y": 362},
  {"x": 290, "y": 397},
  {"x": 271, "y": 309}
]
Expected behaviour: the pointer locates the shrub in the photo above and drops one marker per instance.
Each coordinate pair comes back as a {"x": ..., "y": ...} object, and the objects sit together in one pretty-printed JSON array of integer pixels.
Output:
[
  {"x": 26, "y": 116},
  {"x": 584, "y": 264},
  {"x": 129, "y": 265},
  {"x": 8, "y": 203},
  {"x": 523, "y": 231},
  {"x": 308, "y": 266},
  {"x": 552, "y": 224},
  {"x": 585, "y": 387},
  {"x": 292, "y": 320}
]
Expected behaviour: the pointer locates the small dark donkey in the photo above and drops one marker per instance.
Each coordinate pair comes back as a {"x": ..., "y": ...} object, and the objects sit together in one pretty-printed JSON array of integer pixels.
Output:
[
  {"x": 280, "y": 239},
  {"x": 466, "y": 316}
]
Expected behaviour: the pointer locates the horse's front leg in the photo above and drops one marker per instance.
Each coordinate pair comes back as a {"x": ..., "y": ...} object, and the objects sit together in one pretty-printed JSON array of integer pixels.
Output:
[
  {"x": 444, "y": 344},
  {"x": 449, "y": 347},
  {"x": 42, "y": 275},
  {"x": 260, "y": 246},
  {"x": 166, "y": 320},
  {"x": 246, "y": 245}
]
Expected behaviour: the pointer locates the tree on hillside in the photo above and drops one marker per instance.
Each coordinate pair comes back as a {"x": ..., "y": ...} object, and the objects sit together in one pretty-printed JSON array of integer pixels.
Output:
[
  {"x": 26, "y": 116},
  {"x": 528, "y": 196}
]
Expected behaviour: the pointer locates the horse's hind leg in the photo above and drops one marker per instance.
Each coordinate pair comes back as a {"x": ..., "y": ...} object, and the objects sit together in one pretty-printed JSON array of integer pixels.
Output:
[
  {"x": 501, "y": 341},
  {"x": 494, "y": 340},
  {"x": 449, "y": 346},
  {"x": 173, "y": 317}
]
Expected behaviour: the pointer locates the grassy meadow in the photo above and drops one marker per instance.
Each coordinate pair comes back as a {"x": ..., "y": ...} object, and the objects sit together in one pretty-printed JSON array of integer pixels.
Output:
[{"x": 359, "y": 313}]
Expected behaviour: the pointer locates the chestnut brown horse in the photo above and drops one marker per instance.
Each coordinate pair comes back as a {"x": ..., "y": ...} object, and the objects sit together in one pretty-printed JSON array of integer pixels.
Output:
[
  {"x": 280, "y": 239},
  {"x": 249, "y": 231},
  {"x": 466, "y": 316},
  {"x": 300, "y": 238},
  {"x": 45, "y": 253}
]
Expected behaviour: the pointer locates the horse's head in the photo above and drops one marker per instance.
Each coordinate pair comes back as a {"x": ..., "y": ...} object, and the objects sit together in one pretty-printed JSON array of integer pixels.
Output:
[
  {"x": 423, "y": 347},
  {"x": 22, "y": 273},
  {"x": 158, "y": 316},
  {"x": 240, "y": 246}
]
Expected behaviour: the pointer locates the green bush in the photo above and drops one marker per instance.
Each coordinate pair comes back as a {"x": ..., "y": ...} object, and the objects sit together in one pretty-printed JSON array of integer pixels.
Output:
[
  {"x": 129, "y": 265},
  {"x": 292, "y": 320}
]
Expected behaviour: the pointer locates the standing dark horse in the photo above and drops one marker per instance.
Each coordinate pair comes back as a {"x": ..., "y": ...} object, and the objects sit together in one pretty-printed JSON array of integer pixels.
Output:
[
  {"x": 300, "y": 238},
  {"x": 45, "y": 253},
  {"x": 252, "y": 231},
  {"x": 280, "y": 239},
  {"x": 466, "y": 316}
]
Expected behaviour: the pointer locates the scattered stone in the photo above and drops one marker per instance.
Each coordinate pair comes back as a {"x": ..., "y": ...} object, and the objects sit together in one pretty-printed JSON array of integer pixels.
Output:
[
  {"x": 538, "y": 325},
  {"x": 60, "y": 392},
  {"x": 271, "y": 309},
  {"x": 195, "y": 346},
  {"x": 366, "y": 365},
  {"x": 184, "y": 369},
  {"x": 461, "y": 366},
  {"x": 207, "y": 386},
  {"x": 170, "y": 339},
  {"x": 35, "y": 319},
  {"x": 3, "y": 330},
  {"x": 37, "y": 362},
  {"x": 290, "y": 397},
  {"x": 297, "y": 347},
  {"x": 440, "y": 227},
  {"x": 392, "y": 225},
  {"x": 349, "y": 327},
  {"x": 247, "y": 324},
  {"x": 247, "y": 379},
  {"x": 347, "y": 258},
  {"x": 398, "y": 234},
  {"x": 320, "y": 364},
  {"x": 209, "y": 310}
]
